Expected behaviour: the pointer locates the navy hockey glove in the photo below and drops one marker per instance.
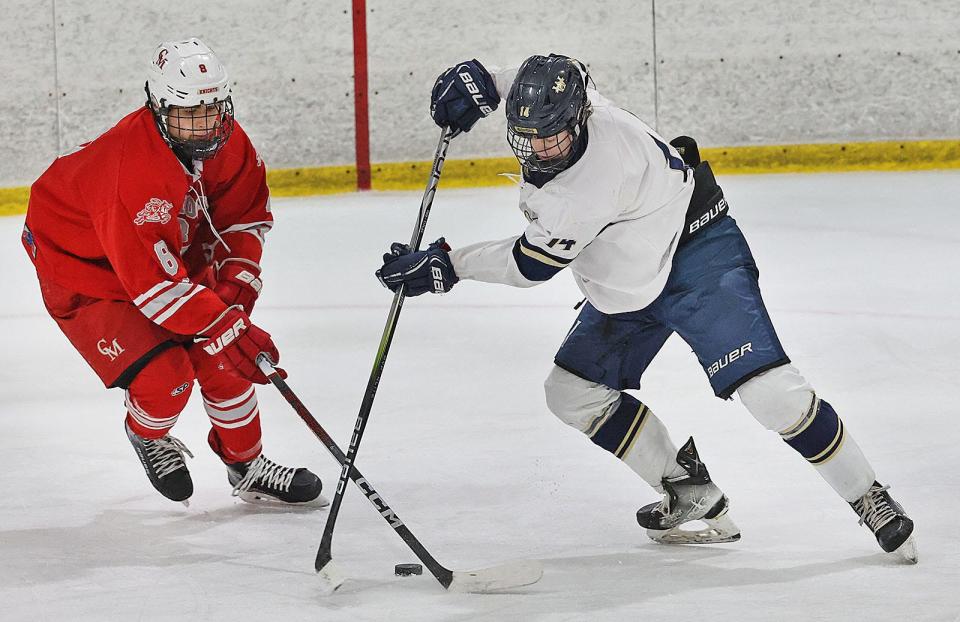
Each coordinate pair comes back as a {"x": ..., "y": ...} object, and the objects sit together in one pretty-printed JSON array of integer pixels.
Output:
[
  {"x": 687, "y": 148},
  {"x": 422, "y": 271},
  {"x": 462, "y": 95}
]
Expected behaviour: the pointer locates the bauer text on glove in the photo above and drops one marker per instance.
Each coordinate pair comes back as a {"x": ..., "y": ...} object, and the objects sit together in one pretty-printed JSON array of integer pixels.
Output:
[
  {"x": 238, "y": 283},
  {"x": 423, "y": 271},
  {"x": 462, "y": 95},
  {"x": 238, "y": 343}
]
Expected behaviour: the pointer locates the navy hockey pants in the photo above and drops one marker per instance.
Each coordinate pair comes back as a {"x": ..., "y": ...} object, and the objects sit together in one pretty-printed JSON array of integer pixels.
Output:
[{"x": 711, "y": 299}]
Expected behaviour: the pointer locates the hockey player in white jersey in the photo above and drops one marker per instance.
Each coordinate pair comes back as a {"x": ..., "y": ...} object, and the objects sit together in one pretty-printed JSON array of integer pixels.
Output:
[{"x": 646, "y": 234}]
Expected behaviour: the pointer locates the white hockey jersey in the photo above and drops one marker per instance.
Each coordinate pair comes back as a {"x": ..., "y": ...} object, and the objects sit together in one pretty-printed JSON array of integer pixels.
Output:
[{"x": 614, "y": 218}]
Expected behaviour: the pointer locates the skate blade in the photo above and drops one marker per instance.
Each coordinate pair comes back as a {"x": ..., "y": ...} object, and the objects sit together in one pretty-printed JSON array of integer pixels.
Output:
[
  {"x": 908, "y": 550},
  {"x": 259, "y": 498},
  {"x": 718, "y": 530}
]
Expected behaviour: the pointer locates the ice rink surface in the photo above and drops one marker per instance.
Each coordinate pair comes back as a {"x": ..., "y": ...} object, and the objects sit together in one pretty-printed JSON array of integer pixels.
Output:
[{"x": 859, "y": 272}]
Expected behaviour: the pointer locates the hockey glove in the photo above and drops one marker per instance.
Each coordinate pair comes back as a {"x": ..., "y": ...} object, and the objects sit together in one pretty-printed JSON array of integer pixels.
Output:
[
  {"x": 421, "y": 271},
  {"x": 462, "y": 95},
  {"x": 238, "y": 283},
  {"x": 687, "y": 148},
  {"x": 238, "y": 343}
]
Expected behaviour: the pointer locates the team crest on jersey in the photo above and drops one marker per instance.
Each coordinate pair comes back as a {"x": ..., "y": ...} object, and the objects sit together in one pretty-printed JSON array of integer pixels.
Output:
[{"x": 156, "y": 210}]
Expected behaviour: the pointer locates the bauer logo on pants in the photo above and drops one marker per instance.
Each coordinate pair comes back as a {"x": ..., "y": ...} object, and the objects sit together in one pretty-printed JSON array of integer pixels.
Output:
[
  {"x": 729, "y": 358},
  {"x": 156, "y": 210}
]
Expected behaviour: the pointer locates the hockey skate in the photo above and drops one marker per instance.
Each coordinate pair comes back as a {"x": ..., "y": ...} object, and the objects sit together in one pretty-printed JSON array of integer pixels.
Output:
[
  {"x": 888, "y": 522},
  {"x": 690, "y": 497},
  {"x": 263, "y": 481},
  {"x": 163, "y": 461}
]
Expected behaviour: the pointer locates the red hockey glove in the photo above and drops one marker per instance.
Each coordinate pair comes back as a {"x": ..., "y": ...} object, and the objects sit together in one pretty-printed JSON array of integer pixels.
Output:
[
  {"x": 238, "y": 343},
  {"x": 238, "y": 283}
]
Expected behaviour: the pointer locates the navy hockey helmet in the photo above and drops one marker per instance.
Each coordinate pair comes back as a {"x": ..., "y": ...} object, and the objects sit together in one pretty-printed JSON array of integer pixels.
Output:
[{"x": 547, "y": 110}]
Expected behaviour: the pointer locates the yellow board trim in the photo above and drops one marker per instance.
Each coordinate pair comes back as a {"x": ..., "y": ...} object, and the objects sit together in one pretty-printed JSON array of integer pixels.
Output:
[
  {"x": 835, "y": 157},
  {"x": 13, "y": 200},
  {"x": 812, "y": 158},
  {"x": 456, "y": 173}
]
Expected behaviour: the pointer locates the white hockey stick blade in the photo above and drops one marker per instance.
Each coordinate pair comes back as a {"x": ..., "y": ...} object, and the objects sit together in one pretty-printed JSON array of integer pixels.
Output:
[
  {"x": 717, "y": 530},
  {"x": 330, "y": 578},
  {"x": 908, "y": 550},
  {"x": 503, "y": 577}
]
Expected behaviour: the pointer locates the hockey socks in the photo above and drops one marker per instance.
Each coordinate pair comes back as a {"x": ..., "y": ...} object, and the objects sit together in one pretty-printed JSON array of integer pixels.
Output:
[
  {"x": 235, "y": 425},
  {"x": 821, "y": 438},
  {"x": 635, "y": 435}
]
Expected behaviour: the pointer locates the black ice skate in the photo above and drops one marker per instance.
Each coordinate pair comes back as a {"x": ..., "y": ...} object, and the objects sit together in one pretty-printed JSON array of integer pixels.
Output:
[
  {"x": 163, "y": 461},
  {"x": 887, "y": 520},
  {"x": 689, "y": 497},
  {"x": 266, "y": 482}
]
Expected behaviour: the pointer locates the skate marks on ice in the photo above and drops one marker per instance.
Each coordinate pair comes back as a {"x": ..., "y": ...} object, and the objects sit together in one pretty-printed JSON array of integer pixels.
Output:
[
  {"x": 651, "y": 574},
  {"x": 154, "y": 538}
]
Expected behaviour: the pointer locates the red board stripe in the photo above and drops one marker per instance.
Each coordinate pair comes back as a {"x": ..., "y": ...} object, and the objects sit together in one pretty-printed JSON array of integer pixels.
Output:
[{"x": 361, "y": 101}]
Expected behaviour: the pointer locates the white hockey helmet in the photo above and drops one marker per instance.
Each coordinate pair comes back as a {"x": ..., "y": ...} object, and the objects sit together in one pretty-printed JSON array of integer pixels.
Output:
[{"x": 187, "y": 74}]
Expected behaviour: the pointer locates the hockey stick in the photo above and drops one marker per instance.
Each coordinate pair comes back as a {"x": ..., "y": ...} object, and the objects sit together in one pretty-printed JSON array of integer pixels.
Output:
[
  {"x": 505, "y": 576},
  {"x": 324, "y": 551}
]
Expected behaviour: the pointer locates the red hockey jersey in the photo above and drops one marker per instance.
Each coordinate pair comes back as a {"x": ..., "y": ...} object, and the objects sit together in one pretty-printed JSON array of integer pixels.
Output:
[{"x": 120, "y": 218}]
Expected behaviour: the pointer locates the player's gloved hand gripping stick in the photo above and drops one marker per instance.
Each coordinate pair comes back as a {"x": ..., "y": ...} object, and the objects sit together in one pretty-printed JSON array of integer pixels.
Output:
[
  {"x": 483, "y": 580},
  {"x": 239, "y": 344}
]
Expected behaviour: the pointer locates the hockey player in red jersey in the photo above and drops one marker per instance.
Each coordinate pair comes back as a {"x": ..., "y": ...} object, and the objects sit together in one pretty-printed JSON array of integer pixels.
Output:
[{"x": 147, "y": 243}]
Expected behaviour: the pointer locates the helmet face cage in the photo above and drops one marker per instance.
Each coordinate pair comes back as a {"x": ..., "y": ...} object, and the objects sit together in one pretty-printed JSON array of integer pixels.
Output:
[
  {"x": 544, "y": 154},
  {"x": 194, "y": 132},
  {"x": 547, "y": 110}
]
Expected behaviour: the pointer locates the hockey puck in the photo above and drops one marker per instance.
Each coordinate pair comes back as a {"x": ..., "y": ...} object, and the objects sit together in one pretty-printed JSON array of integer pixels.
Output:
[{"x": 405, "y": 570}]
